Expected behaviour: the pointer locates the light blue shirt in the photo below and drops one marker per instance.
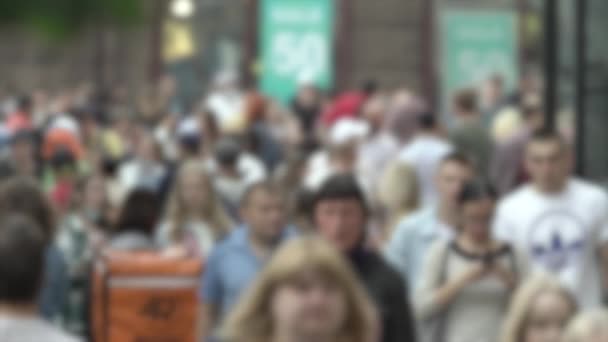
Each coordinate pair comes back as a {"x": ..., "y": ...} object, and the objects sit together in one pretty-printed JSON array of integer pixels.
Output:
[
  {"x": 409, "y": 246},
  {"x": 231, "y": 268}
]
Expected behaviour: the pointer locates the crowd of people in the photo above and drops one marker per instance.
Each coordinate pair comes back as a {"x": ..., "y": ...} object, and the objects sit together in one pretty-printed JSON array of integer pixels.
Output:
[{"x": 362, "y": 216}]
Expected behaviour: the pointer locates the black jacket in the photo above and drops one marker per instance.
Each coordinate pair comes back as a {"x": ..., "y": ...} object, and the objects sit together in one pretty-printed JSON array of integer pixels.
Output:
[{"x": 387, "y": 290}]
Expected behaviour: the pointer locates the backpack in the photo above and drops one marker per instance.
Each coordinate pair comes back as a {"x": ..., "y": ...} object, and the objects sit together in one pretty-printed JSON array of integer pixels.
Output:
[{"x": 143, "y": 296}]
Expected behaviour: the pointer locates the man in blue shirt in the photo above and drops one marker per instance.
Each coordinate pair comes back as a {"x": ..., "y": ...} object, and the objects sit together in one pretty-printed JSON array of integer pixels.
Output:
[
  {"x": 415, "y": 234},
  {"x": 234, "y": 263}
]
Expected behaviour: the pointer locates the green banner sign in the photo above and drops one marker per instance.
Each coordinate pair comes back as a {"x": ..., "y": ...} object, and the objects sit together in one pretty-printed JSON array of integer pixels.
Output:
[
  {"x": 475, "y": 45},
  {"x": 296, "y": 45}
]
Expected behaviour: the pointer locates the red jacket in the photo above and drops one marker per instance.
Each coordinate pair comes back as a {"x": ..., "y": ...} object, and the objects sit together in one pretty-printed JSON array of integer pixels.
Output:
[
  {"x": 19, "y": 121},
  {"x": 346, "y": 105}
]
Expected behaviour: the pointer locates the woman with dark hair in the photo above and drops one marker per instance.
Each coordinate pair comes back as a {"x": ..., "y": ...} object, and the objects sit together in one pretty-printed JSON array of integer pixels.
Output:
[
  {"x": 467, "y": 282},
  {"x": 137, "y": 221}
]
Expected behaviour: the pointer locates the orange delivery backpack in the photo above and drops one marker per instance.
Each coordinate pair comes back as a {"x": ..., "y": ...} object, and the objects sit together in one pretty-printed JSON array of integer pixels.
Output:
[{"x": 145, "y": 297}]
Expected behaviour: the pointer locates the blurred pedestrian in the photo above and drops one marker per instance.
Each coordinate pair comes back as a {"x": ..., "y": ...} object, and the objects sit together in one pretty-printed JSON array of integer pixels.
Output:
[
  {"x": 236, "y": 261},
  {"x": 289, "y": 176},
  {"x": 424, "y": 153},
  {"x": 195, "y": 218},
  {"x": 466, "y": 283},
  {"x": 348, "y": 105},
  {"x": 189, "y": 138},
  {"x": 21, "y": 118},
  {"x": 397, "y": 196},
  {"x": 134, "y": 230},
  {"x": 81, "y": 236},
  {"x": 415, "y": 234},
  {"x": 403, "y": 114},
  {"x": 60, "y": 180},
  {"x": 210, "y": 131},
  {"x": 24, "y": 154},
  {"x": 492, "y": 98},
  {"x": 22, "y": 268},
  {"x": 226, "y": 100},
  {"x": 260, "y": 139},
  {"x": 306, "y": 105},
  {"x": 341, "y": 214},
  {"x": 284, "y": 127},
  {"x": 507, "y": 169},
  {"x": 469, "y": 135},
  {"x": 233, "y": 170},
  {"x": 589, "y": 326},
  {"x": 540, "y": 311},
  {"x": 378, "y": 147},
  {"x": 146, "y": 168},
  {"x": 23, "y": 196},
  {"x": 306, "y": 293},
  {"x": 340, "y": 155},
  {"x": 560, "y": 221}
]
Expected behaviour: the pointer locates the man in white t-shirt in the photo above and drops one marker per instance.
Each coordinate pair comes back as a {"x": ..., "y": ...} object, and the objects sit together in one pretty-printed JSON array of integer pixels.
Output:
[
  {"x": 424, "y": 153},
  {"x": 22, "y": 249},
  {"x": 560, "y": 221}
]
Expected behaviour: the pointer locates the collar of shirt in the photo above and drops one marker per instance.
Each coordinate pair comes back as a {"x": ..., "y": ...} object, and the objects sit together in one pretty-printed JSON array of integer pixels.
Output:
[
  {"x": 240, "y": 239},
  {"x": 436, "y": 228}
]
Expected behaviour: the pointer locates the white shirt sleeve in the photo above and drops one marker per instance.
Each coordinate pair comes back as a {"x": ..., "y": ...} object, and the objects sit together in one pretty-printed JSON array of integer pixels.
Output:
[
  {"x": 502, "y": 227},
  {"x": 601, "y": 235}
]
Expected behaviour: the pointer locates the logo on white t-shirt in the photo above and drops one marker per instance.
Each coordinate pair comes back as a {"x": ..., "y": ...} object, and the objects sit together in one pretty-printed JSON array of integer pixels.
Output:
[{"x": 557, "y": 239}]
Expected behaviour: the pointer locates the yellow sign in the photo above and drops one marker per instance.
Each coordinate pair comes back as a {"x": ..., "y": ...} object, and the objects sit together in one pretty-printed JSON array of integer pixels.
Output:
[{"x": 178, "y": 42}]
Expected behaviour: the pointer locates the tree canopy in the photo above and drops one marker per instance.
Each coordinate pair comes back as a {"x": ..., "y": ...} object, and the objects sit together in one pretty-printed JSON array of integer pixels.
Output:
[{"x": 60, "y": 19}]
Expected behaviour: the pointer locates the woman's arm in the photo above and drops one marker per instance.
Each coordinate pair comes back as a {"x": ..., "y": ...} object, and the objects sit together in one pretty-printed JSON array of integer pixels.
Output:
[
  {"x": 432, "y": 295},
  {"x": 444, "y": 295}
]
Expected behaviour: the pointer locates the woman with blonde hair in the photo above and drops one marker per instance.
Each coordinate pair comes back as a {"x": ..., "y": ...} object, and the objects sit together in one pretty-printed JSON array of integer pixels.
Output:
[
  {"x": 306, "y": 293},
  {"x": 589, "y": 326},
  {"x": 397, "y": 195},
  {"x": 195, "y": 218},
  {"x": 540, "y": 310}
]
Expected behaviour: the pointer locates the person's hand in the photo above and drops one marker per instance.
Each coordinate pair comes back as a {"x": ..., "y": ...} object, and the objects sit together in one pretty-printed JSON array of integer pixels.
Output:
[
  {"x": 506, "y": 276},
  {"x": 475, "y": 272}
]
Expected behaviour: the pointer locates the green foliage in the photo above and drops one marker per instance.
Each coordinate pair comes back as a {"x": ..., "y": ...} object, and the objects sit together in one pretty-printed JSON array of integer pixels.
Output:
[{"x": 60, "y": 19}]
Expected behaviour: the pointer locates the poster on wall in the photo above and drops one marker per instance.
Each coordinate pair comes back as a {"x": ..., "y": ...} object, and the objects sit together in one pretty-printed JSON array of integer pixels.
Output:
[
  {"x": 474, "y": 46},
  {"x": 296, "y": 40}
]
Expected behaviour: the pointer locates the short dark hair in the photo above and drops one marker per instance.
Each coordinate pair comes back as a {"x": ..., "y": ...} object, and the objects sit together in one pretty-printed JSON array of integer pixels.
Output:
[
  {"x": 23, "y": 196},
  {"x": 341, "y": 186},
  {"x": 427, "y": 120},
  {"x": 548, "y": 135},
  {"x": 62, "y": 159},
  {"x": 24, "y": 103},
  {"x": 23, "y": 135},
  {"x": 227, "y": 152},
  {"x": 265, "y": 186},
  {"x": 140, "y": 212},
  {"x": 475, "y": 191},
  {"x": 369, "y": 87},
  {"x": 459, "y": 158},
  {"x": 466, "y": 100},
  {"x": 22, "y": 249}
]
